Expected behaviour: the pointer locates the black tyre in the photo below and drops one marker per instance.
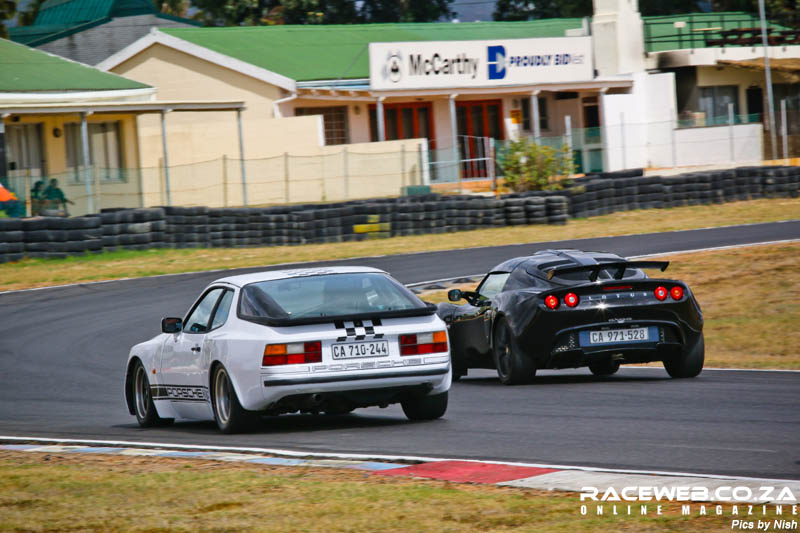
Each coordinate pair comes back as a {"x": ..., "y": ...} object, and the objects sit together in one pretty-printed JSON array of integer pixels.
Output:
[
  {"x": 689, "y": 363},
  {"x": 428, "y": 407},
  {"x": 143, "y": 405},
  {"x": 513, "y": 366},
  {"x": 606, "y": 368},
  {"x": 231, "y": 417}
]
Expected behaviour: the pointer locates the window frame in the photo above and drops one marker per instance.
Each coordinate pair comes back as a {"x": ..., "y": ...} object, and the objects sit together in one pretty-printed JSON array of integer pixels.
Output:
[
  {"x": 486, "y": 278},
  {"x": 211, "y": 315},
  {"x": 303, "y": 111},
  {"x": 525, "y": 104}
]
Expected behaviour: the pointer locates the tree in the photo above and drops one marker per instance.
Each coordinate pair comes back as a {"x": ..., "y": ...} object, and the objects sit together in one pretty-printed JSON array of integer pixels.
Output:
[
  {"x": 7, "y": 10},
  {"x": 528, "y": 166},
  {"x": 529, "y": 10},
  {"x": 177, "y": 8},
  {"x": 27, "y": 17},
  {"x": 405, "y": 10}
]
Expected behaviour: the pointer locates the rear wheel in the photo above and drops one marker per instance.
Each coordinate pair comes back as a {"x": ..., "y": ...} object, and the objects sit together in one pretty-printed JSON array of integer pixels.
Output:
[
  {"x": 429, "y": 407},
  {"x": 513, "y": 366},
  {"x": 143, "y": 405},
  {"x": 606, "y": 368},
  {"x": 690, "y": 361},
  {"x": 231, "y": 417}
]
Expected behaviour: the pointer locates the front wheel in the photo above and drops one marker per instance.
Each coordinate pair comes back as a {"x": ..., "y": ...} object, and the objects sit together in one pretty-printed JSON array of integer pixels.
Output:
[
  {"x": 690, "y": 361},
  {"x": 425, "y": 407},
  {"x": 513, "y": 366},
  {"x": 143, "y": 405},
  {"x": 231, "y": 417}
]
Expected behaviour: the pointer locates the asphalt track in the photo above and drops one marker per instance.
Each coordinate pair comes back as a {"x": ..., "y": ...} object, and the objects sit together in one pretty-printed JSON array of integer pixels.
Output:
[{"x": 63, "y": 350}]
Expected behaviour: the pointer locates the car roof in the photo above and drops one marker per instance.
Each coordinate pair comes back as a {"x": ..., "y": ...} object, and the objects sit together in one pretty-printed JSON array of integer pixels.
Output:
[
  {"x": 244, "y": 279},
  {"x": 541, "y": 261}
]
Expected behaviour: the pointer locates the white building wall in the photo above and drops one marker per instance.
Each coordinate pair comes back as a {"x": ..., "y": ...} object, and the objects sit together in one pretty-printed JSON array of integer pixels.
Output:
[{"x": 712, "y": 145}]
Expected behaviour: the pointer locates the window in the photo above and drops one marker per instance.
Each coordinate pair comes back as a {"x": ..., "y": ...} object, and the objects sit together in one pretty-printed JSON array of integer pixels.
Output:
[
  {"x": 493, "y": 285},
  {"x": 409, "y": 120},
  {"x": 24, "y": 148},
  {"x": 200, "y": 316},
  {"x": 334, "y": 119},
  {"x": 526, "y": 114},
  {"x": 224, "y": 307},
  {"x": 328, "y": 295},
  {"x": 104, "y": 149},
  {"x": 714, "y": 103}
]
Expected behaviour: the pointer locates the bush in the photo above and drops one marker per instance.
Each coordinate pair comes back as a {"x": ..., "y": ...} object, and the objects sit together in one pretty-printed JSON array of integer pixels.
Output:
[{"x": 533, "y": 167}]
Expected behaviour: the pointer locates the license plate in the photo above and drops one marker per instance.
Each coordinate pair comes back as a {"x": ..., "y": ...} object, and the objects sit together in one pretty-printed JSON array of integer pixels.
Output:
[
  {"x": 353, "y": 350},
  {"x": 618, "y": 335}
]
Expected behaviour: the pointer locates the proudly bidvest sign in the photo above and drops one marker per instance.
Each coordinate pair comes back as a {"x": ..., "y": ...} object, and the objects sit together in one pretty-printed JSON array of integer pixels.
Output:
[{"x": 467, "y": 64}]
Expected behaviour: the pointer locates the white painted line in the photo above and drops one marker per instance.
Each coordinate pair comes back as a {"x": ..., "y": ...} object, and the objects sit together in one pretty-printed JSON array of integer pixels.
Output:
[
  {"x": 373, "y": 457},
  {"x": 387, "y": 255},
  {"x": 715, "y": 369},
  {"x": 443, "y": 280}
]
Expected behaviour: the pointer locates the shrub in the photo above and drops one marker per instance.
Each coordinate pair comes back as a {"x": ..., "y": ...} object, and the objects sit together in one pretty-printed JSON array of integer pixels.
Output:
[{"x": 528, "y": 166}]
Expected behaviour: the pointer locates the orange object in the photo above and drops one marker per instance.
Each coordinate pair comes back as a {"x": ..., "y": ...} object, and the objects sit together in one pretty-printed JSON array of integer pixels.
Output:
[{"x": 6, "y": 195}]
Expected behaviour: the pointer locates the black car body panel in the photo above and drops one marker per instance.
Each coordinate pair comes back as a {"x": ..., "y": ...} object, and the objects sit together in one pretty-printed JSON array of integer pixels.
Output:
[{"x": 612, "y": 294}]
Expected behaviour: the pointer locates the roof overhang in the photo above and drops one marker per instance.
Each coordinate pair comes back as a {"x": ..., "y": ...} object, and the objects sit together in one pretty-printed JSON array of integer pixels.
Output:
[
  {"x": 789, "y": 68},
  {"x": 119, "y": 107},
  {"x": 699, "y": 57},
  {"x": 158, "y": 37},
  {"x": 353, "y": 92}
]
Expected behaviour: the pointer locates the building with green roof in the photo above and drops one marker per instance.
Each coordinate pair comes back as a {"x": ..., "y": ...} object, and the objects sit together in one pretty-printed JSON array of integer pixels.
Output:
[{"x": 89, "y": 31}]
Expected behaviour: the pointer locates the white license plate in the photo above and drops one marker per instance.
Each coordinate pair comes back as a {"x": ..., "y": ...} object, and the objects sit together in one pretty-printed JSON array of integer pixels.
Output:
[
  {"x": 618, "y": 335},
  {"x": 352, "y": 350}
]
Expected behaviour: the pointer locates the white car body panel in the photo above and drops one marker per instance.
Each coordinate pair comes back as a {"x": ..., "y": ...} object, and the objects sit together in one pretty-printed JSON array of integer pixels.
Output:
[{"x": 181, "y": 381}]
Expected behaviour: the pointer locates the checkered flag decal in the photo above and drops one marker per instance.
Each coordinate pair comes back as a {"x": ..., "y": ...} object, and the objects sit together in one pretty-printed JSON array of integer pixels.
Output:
[{"x": 358, "y": 330}]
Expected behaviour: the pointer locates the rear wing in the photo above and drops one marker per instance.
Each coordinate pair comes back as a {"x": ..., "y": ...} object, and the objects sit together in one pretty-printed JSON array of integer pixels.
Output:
[{"x": 617, "y": 268}]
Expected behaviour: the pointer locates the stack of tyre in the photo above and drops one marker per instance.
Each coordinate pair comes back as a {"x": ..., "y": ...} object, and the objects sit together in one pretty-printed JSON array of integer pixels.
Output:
[
  {"x": 12, "y": 240},
  {"x": 187, "y": 227},
  {"x": 557, "y": 208},
  {"x": 535, "y": 210},
  {"x": 57, "y": 238},
  {"x": 369, "y": 220},
  {"x": 276, "y": 230},
  {"x": 408, "y": 218},
  {"x": 133, "y": 229},
  {"x": 781, "y": 182},
  {"x": 650, "y": 192},
  {"x": 328, "y": 226}
]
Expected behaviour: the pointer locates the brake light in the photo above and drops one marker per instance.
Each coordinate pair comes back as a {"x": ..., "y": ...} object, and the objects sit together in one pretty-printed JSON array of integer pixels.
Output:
[
  {"x": 294, "y": 353},
  {"x": 423, "y": 343},
  {"x": 618, "y": 288},
  {"x": 551, "y": 302},
  {"x": 571, "y": 299},
  {"x": 661, "y": 293},
  {"x": 676, "y": 292}
]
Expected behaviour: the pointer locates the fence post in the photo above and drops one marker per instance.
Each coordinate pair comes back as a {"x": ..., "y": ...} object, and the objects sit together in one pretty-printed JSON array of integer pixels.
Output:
[
  {"x": 96, "y": 178},
  {"x": 490, "y": 162},
  {"x": 568, "y": 133},
  {"x": 85, "y": 161},
  {"x": 673, "y": 128},
  {"x": 622, "y": 139},
  {"x": 286, "y": 175},
  {"x": 346, "y": 165},
  {"x": 28, "y": 199},
  {"x": 730, "y": 131},
  {"x": 241, "y": 157},
  {"x": 785, "y": 131},
  {"x": 166, "y": 154},
  {"x": 402, "y": 165},
  {"x": 224, "y": 180}
]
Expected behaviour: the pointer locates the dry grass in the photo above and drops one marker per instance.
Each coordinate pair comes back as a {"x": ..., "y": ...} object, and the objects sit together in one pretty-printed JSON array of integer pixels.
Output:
[
  {"x": 39, "y": 273},
  {"x": 71, "y": 492},
  {"x": 750, "y": 299}
]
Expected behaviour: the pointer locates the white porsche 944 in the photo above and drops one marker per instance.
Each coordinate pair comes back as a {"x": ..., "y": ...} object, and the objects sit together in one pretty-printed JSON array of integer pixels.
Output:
[{"x": 308, "y": 340}]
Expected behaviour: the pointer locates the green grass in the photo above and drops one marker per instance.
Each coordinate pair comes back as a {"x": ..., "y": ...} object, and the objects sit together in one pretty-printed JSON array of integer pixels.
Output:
[
  {"x": 71, "y": 492},
  {"x": 40, "y": 273}
]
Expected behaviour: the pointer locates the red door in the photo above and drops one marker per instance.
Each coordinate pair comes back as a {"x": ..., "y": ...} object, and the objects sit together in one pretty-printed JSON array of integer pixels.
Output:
[
  {"x": 411, "y": 120},
  {"x": 477, "y": 121}
]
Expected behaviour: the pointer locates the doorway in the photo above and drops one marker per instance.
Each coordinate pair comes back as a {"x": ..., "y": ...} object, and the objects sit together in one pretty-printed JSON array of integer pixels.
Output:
[{"x": 478, "y": 122}]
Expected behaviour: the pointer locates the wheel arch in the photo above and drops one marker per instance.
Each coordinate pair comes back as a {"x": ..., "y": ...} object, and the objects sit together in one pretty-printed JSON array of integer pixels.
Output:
[{"x": 129, "y": 383}]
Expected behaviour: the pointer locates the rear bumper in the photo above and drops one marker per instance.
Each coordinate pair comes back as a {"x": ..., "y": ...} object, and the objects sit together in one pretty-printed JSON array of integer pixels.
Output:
[{"x": 432, "y": 378}]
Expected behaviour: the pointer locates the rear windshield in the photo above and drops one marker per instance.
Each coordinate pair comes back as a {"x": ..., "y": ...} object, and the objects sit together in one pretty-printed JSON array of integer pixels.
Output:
[{"x": 329, "y": 295}]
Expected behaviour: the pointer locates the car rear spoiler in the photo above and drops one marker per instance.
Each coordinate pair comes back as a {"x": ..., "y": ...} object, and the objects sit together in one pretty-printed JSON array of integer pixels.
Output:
[{"x": 618, "y": 267}]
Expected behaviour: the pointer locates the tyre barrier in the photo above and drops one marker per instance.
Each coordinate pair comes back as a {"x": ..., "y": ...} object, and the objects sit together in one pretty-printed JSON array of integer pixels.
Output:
[{"x": 201, "y": 227}]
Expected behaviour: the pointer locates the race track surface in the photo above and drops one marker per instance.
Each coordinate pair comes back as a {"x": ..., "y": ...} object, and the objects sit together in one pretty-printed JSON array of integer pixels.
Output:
[{"x": 63, "y": 352}]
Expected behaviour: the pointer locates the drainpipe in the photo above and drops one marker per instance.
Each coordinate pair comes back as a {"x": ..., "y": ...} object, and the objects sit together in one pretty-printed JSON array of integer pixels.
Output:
[{"x": 276, "y": 111}]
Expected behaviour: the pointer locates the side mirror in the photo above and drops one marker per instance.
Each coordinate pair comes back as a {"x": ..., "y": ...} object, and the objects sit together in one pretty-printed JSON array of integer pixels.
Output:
[
  {"x": 454, "y": 295},
  {"x": 171, "y": 325}
]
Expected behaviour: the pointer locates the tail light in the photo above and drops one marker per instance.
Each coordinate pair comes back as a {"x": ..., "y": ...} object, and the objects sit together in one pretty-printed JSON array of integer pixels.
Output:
[
  {"x": 661, "y": 293},
  {"x": 551, "y": 302},
  {"x": 423, "y": 343},
  {"x": 676, "y": 292},
  {"x": 571, "y": 299},
  {"x": 294, "y": 353}
]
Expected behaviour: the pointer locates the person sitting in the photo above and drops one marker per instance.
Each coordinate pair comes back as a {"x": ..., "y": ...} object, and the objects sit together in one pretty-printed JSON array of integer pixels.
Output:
[
  {"x": 37, "y": 197},
  {"x": 55, "y": 197}
]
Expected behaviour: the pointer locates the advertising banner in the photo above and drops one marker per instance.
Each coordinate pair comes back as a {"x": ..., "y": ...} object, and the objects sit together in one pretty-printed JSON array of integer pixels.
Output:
[{"x": 472, "y": 64}]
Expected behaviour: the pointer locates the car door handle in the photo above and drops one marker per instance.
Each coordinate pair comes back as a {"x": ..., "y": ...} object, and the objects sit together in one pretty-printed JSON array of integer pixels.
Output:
[{"x": 196, "y": 349}]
